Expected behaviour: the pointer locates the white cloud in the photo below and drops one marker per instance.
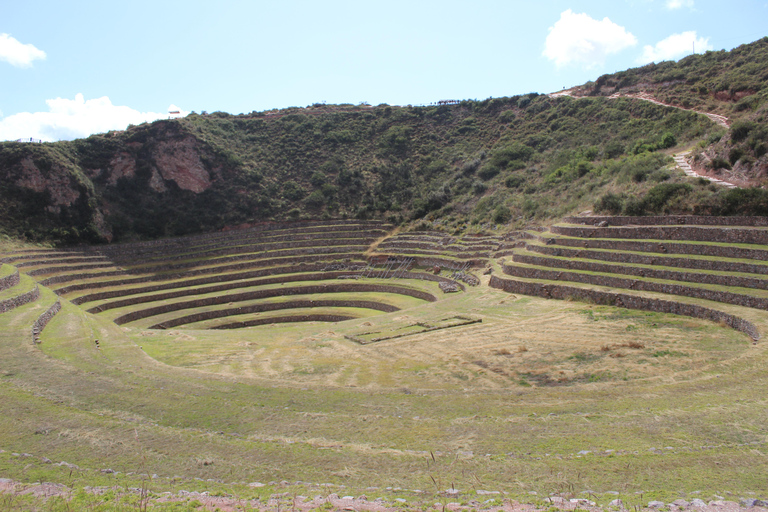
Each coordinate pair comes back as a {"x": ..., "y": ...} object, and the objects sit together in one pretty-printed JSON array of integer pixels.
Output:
[
  {"x": 679, "y": 4},
  {"x": 18, "y": 54},
  {"x": 674, "y": 47},
  {"x": 580, "y": 39},
  {"x": 71, "y": 119}
]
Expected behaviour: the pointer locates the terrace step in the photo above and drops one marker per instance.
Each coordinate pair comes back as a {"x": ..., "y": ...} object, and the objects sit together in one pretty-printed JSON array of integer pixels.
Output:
[
  {"x": 739, "y": 296},
  {"x": 650, "y": 260},
  {"x": 9, "y": 276},
  {"x": 641, "y": 256},
  {"x": 717, "y": 250},
  {"x": 259, "y": 294},
  {"x": 24, "y": 291},
  {"x": 30, "y": 316},
  {"x": 738, "y": 235},
  {"x": 625, "y": 300},
  {"x": 298, "y": 304}
]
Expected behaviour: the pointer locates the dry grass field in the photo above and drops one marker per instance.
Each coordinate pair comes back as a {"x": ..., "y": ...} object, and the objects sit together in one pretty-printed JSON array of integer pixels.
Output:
[{"x": 527, "y": 398}]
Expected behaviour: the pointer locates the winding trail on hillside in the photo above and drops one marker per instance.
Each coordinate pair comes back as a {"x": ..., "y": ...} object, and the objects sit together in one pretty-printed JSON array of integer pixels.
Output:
[{"x": 681, "y": 160}]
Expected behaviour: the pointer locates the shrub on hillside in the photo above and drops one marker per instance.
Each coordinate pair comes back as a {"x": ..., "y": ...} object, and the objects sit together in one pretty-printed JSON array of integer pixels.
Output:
[
  {"x": 743, "y": 201},
  {"x": 293, "y": 191},
  {"x": 610, "y": 203},
  {"x": 501, "y": 215}
]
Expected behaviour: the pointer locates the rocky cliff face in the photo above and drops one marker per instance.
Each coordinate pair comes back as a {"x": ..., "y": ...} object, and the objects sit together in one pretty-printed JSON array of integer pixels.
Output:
[{"x": 76, "y": 191}]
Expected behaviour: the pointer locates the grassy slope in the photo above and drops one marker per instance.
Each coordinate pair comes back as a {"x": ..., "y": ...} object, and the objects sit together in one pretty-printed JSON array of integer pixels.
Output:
[
  {"x": 301, "y": 403},
  {"x": 493, "y": 161},
  {"x": 732, "y": 84}
]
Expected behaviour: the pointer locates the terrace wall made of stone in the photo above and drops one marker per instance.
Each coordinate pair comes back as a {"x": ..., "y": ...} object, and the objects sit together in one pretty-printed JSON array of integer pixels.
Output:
[
  {"x": 248, "y": 244},
  {"x": 43, "y": 319},
  {"x": 556, "y": 291},
  {"x": 236, "y": 235},
  {"x": 715, "y": 251},
  {"x": 260, "y": 264},
  {"x": 241, "y": 248},
  {"x": 273, "y": 306},
  {"x": 20, "y": 300},
  {"x": 694, "y": 233},
  {"x": 355, "y": 249},
  {"x": 142, "y": 299},
  {"x": 654, "y": 273},
  {"x": 10, "y": 280},
  {"x": 670, "y": 220},
  {"x": 285, "y": 319},
  {"x": 639, "y": 285},
  {"x": 68, "y": 268},
  {"x": 271, "y": 293}
]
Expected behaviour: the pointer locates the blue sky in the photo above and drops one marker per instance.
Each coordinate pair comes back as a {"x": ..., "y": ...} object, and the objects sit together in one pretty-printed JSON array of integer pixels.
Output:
[{"x": 68, "y": 69}]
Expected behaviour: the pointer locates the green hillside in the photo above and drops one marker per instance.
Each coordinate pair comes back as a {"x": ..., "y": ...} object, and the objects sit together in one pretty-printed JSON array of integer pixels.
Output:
[{"x": 502, "y": 161}]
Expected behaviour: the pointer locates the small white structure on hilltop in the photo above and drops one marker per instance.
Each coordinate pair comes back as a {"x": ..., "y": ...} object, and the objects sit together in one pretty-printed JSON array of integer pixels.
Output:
[{"x": 174, "y": 114}]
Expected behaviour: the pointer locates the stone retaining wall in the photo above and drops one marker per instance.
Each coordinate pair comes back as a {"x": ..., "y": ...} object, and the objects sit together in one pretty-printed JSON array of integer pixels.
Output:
[
  {"x": 240, "y": 247},
  {"x": 653, "y": 273},
  {"x": 669, "y": 220},
  {"x": 194, "y": 282},
  {"x": 65, "y": 278},
  {"x": 460, "y": 247},
  {"x": 142, "y": 299},
  {"x": 635, "y": 284},
  {"x": 43, "y": 320},
  {"x": 29, "y": 254},
  {"x": 355, "y": 249},
  {"x": 169, "y": 252},
  {"x": 430, "y": 261},
  {"x": 445, "y": 249},
  {"x": 273, "y": 306},
  {"x": 236, "y": 234},
  {"x": 556, "y": 291},
  {"x": 263, "y": 294},
  {"x": 285, "y": 319},
  {"x": 716, "y": 251},
  {"x": 69, "y": 268},
  {"x": 428, "y": 252},
  {"x": 260, "y": 264},
  {"x": 21, "y": 299},
  {"x": 63, "y": 260},
  {"x": 424, "y": 276},
  {"x": 694, "y": 233},
  {"x": 10, "y": 280}
]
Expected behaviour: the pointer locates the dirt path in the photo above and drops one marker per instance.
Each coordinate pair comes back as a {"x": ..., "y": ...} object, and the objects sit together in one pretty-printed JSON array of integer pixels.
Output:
[
  {"x": 721, "y": 120},
  {"x": 681, "y": 158}
]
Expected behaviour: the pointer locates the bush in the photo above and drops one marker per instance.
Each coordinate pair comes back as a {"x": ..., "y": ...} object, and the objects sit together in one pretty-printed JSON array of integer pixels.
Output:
[
  {"x": 719, "y": 163},
  {"x": 478, "y": 187},
  {"x": 470, "y": 166},
  {"x": 740, "y": 130},
  {"x": 744, "y": 201},
  {"x": 293, "y": 191},
  {"x": 316, "y": 199},
  {"x": 317, "y": 179},
  {"x": 501, "y": 215},
  {"x": 514, "y": 181},
  {"x": 503, "y": 157},
  {"x": 658, "y": 198},
  {"x": 610, "y": 203},
  {"x": 667, "y": 141},
  {"x": 634, "y": 207},
  {"x": 734, "y": 154},
  {"x": 488, "y": 171}
]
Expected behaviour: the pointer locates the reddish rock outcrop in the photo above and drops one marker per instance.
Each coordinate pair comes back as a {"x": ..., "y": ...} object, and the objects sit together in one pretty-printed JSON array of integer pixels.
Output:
[{"x": 180, "y": 161}]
